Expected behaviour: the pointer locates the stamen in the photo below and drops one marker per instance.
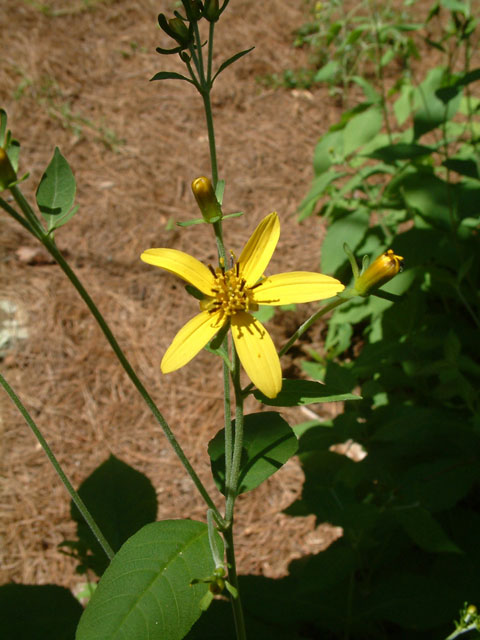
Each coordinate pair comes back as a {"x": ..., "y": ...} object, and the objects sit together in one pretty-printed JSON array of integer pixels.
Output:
[
  {"x": 212, "y": 270},
  {"x": 237, "y": 269},
  {"x": 257, "y": 285}
]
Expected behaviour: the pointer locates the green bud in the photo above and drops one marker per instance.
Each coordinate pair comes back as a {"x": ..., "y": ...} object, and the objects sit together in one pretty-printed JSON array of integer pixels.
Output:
[
  {"x": 211, "y": 10},
  {"x": 206, "y": 199},
  {"x": 193, "y": 9},
  {"x": 7, "y": 173},
  {"x": 180, "y": 31}
]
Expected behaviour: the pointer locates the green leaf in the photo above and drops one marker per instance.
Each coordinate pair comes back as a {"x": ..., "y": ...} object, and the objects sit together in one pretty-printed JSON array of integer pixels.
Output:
[
  {"x": 401, "y": 151},
  {"x": 433, "y": 111},
  {"x": 329, "y": 150},
  {"x": 268, "y": 442},
  {"x": 56, "y": 192},
  {"x": 230, "y": 61},
  {"x": 169, "y": 75},
  {"x": 350, "y": 229},
  {"x": 424, "y": 530},
  {"x": 31, "y": 612},
  {"x": 121, "y": 500},
  {"x": 361, "y": 129},
  {"x": 301, "y": 392},
  {"x": 146, "y": 590},
  {"x": 328, "y": 72}
]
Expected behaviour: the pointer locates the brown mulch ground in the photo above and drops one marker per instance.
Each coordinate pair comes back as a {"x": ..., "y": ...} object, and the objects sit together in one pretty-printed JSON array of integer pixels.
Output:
[{"x": 79, "y": 80}]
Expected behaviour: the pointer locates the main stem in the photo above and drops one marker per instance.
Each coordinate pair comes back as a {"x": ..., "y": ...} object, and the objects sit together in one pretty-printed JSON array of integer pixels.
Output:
[{"x": 52, "y": 248}]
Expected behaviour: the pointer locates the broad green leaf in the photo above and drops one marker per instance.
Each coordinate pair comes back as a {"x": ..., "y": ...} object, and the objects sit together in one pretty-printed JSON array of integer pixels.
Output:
[
  {"x": 146, "y": 590},
  {"x": 424, "y": 530},
  {"x": 361, "y": 129},
  {"x": 433, "y": 111},
  {"x": 317, "y": 190},
  {"x": 56, "y": 192},
  {"x": 38, "y": 612},
  {"x": 169, "y": 75},
  {"x": 401, "y": 151},
  {"x": 350, "y": 229},
  {"x": 464, "y": 166},
  {"x": 329, "y": 150},
  {"x": 231, "y": 60},
  {"x": 402, "y": 107},
  {"x": 301, "y": 392},
  {"x": 268, "y": 442},
  {"x": 328, "y": 72},
  {"x": 121, "y": 500}
]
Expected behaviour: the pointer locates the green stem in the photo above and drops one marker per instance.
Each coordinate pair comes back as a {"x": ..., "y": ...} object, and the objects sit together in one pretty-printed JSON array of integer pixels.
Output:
[
  {"x": 211, "y": 135},
  {"x": 233, "y": 579},
  {"x": 53, "y": 250},
  {"x": 308, "y": 323},
  {"x": 232, "y": 488},
  {"x": 36, "y": 225},
  {"x": 11, "y": 211},
  {"x": 56, "y": 465},
  {"x": 459, "y": 632}
]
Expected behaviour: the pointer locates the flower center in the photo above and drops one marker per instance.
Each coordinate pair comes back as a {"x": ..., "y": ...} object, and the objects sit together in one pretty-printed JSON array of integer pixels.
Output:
[{"x": 231, "y": 293}]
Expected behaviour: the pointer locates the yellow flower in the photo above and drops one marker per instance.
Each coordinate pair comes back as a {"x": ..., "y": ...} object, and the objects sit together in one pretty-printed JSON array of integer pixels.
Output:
[
  {"x": 231, "y": 294},
  {"x": 382, "y": 269}
]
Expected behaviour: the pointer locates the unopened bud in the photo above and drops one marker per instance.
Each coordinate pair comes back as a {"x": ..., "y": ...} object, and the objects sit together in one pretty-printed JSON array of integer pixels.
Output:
[
  {"x": 383, "y": 269},
  {"x": 206, "y": 199},
  {"x": 211, "y": 10},
  {"x": 193, "y": 9},
  {"x": 7, "y": 172},
  {"x": 180, "y": 31}
]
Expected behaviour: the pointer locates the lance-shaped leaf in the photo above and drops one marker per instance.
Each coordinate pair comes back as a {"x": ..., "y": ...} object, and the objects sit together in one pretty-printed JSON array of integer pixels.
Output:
[
  {"x": 169, "y": 75},
  {"x": 301, "y": 392},
  {"x": 56, "y": 192},
  {"x": 231, "y": 60},
  {"x": 146, "y": 592}
]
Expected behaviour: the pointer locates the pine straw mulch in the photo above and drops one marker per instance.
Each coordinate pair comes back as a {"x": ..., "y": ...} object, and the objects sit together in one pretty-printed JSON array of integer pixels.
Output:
[{"x": 79, "y": 80}]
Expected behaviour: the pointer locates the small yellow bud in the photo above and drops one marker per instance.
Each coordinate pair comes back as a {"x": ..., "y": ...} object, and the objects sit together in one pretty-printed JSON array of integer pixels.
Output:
[
  {"x": 7, "y": 173},
  {"x": 383, "y": 269},
  {"x": 206, "y": 199}
]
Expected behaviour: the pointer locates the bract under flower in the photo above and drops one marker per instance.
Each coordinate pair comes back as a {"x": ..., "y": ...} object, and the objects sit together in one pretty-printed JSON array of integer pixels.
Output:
[{"x": 231, "y": 294}]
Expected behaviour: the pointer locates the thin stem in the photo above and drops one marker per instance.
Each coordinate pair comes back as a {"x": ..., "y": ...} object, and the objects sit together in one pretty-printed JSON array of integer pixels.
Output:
[
  {"x": 459, "y": 632},
  {"x": 56, "y": 465},
  {"x": 308, "y": 323},
  {"x": 37, "y": 228},
  {"x": 211, "y": 135},
  {"x": 227, "y": 420},
  {"x": 233, "y": 579},
  {"x": 211, "y": 31},
  {"x": 11, "y": 211},
  {"x": 232, "y": 488},
  {"x": 52, "y": 248}
]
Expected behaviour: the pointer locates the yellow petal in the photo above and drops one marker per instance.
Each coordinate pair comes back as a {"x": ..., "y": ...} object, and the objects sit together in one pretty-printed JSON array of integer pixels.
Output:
[
  {"x": 259, "y": 249},
  {"x": 257, "y": 353},
  {"x": 190, "y": 340},
  {"x": 182, "y": 265},
  {"x": 296, "y": 287}
]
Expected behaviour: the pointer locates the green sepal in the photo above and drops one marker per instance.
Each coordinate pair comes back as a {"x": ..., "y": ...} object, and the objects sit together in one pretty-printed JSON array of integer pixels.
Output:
[
  {"x": 231, "y": 589},
  {"x": 193, "y": 291}
]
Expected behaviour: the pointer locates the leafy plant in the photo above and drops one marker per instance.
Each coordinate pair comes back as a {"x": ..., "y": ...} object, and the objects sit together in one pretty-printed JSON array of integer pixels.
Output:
[{"x": 403, "y": 174}]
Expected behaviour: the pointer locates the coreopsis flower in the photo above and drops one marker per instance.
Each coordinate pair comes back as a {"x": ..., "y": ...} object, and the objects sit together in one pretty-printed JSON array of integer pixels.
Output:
[
  {"x": 382, "y": 269},
  {"x": 231, "y": 294}
]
